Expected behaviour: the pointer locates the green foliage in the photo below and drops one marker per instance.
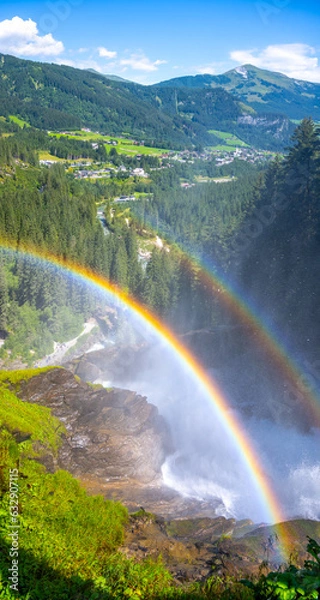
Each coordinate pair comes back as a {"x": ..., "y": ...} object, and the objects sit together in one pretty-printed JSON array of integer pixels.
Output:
[
  {"x": 65, "y": 536},
  {"x": 290, "y": 196},
  {"x": 55, "y": 97},
  {"x": 292, "y": 583},
  {"x": 15, "y": 377},
  {"x": 69, "y": 541},
  {"x": 225, "y": 588},
  {"x": 143, "y": 514},
  {"x": 32, "y": 421},
  {"x": 126, "y": 579}
]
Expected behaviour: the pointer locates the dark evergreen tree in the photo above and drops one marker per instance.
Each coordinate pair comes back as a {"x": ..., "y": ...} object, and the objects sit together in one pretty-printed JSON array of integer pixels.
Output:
[{"x": 3, "y": 299}]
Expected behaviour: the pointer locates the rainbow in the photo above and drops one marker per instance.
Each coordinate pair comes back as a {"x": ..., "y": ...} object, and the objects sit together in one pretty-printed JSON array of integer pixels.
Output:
[
  {"x": 303, "y": 385},
  {"x": 262, "y": 334},
  {"x": 250, "y": 458}
]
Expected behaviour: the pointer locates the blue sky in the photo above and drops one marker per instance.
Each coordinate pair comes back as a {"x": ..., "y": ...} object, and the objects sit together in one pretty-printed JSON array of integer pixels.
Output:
[{"x": 152, "y": 41}]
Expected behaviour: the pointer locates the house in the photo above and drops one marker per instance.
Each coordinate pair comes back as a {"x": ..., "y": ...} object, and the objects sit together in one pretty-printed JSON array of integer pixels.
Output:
[{"x": 138, "y": 172}]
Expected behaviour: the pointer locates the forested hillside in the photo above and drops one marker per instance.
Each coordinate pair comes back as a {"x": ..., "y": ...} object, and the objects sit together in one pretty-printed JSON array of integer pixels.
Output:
[
  {"x": 50, "y": 209},
  {"x": 59, "y": 97},
  {"x": 204, "y": 217},
  {"x": 47, "y": 209},
  {"x": 215, "y": 108},
  {"x": 262, "y": 229}
]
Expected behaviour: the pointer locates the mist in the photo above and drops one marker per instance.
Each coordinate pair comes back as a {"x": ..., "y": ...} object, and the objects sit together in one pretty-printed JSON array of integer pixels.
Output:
[{"x": 207, "y": 464}]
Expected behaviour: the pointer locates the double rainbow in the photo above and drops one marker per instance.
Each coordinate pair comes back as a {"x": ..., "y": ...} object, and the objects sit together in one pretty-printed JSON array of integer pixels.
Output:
[{"x": 269, "y": 501}]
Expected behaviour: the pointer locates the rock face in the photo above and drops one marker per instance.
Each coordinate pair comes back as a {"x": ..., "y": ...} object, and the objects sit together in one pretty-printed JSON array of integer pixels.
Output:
[
  {"x": 259, "y": 391},
  {"x": 117, "y": 362},
  {"x": 115, "y": 444},
  {"x": 194, "y": 549},
  {"x": 113, "y": 435}
]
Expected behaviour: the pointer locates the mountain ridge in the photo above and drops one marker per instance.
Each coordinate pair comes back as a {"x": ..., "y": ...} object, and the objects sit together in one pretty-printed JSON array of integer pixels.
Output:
[
  {"x": 58, "y": 97},
  {"x": 262, "y": 89},
  {"x": 110, "y": 76}
]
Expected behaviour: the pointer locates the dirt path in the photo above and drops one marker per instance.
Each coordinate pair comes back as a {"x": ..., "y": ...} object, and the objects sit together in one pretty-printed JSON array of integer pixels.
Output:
[{"x": 61, "y": 348}]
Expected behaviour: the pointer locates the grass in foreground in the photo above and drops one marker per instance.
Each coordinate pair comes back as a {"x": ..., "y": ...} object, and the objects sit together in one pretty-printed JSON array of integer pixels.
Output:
[{"x": 69, "y": 542}]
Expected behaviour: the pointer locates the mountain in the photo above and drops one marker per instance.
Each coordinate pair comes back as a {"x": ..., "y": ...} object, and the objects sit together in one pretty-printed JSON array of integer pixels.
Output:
[
  {"x": 58, "y": 97},
  {"x": 111, "y": 77},
  {"x": 52, "y": 96},
  {"x": 264, "y": 91}
]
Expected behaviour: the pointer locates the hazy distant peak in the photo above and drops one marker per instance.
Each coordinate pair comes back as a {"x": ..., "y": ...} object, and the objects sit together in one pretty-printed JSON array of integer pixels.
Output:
[{"x": 110, "y": 76}]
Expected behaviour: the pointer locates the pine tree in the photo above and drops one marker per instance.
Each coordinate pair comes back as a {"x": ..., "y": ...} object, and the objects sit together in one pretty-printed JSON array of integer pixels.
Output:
[
  {"x": 302, "y": 177},
  {"x": 119, "y": 265},
  {"x": 3, "y": 298}
]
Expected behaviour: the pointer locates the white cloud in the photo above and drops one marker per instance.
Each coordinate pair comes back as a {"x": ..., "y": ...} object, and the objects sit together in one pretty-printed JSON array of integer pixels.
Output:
[
  {"x": 212, "y": 68},
  {"x": 208, "y": 69},
  {"x": 140, "y": 62},
  {"x": 22, "y": 38},
  {"x": 80, "y": 64},
  {"x": 295, "y": 60},
  {"x": 104, "y": 53}
]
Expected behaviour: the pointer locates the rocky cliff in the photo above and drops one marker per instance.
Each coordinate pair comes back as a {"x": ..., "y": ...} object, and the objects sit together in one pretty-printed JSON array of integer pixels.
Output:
[
  {"x": 112, "y": 435},
  {"x": 115, "y": 444}
]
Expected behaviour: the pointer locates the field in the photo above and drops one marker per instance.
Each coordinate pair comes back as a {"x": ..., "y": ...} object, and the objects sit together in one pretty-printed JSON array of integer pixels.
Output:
[
  {"x": 123, "y": 146},
  {"x": 201, "y": 179},
  {"x": 18, "y": 121},
  {"x": 230, "y": 141},
  {"x": 127, "y": 147},
  {"x": 44, "y": 155}
]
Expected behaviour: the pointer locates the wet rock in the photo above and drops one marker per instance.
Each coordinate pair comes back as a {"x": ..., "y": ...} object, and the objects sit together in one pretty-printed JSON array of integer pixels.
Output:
[
  {"x": 226, "y": 353},
  {"x": 116, "y": 362},
  {"x": 112, "y": 435},
  {"x": 194, "y": 549},
  {"x": 115, "y": 444}
]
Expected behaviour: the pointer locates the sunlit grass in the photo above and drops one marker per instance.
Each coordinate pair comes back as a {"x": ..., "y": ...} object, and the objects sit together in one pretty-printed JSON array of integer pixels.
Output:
[{"x": 18, "y": 121}]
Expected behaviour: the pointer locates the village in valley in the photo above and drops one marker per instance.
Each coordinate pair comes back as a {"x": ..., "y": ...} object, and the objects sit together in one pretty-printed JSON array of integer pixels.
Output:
[{"x": 94, "y": 170}]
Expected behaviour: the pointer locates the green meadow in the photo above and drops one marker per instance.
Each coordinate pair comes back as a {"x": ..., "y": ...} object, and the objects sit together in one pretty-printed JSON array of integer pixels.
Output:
[
  {"x": 123, "y": 146},
  {"x": 18, "y": 121},
  {"x": 44, "y": 155},
  {"x": 230, "y": 141}
]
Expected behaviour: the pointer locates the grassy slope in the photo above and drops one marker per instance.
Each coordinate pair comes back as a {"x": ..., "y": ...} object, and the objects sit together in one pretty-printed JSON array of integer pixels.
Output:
[
  {"x": 229, "y": 139},
  {"x": 67, "y": 540},
  {"x": 124, "y": 146}
]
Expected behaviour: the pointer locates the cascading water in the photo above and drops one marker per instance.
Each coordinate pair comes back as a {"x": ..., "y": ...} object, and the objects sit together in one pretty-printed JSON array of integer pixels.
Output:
[{"x": 207, "y": 464}]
